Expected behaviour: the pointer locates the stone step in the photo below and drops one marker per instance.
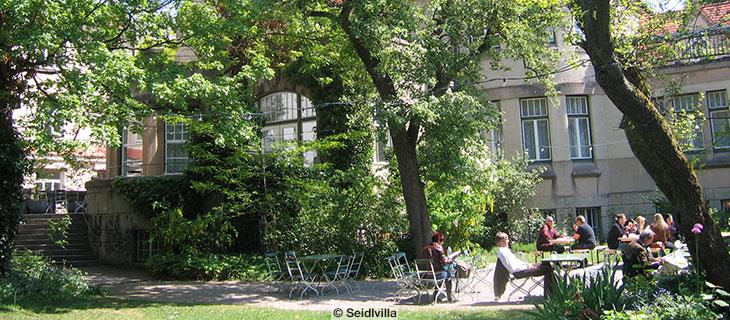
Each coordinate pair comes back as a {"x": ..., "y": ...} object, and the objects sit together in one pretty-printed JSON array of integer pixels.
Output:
[
  {"x": 78, "y": 263},
  {"x": 46, "y": 235},
  {"x": 52, "y": 246},
  {"x": 44, "y": 222},
  {"x": 53, "y": 215},
  {"x": 60, "y": 252}
]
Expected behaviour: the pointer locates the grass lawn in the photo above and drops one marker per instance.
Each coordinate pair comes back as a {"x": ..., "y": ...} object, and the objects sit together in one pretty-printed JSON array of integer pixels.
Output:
[{"x": 115, "y": 308}]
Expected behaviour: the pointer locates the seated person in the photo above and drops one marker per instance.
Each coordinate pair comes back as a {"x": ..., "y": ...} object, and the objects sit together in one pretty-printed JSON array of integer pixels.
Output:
[
  {"x": 662, "y": 233},
  {"x": 637, "y": 256},
  {"x": 547, "y": 233},
  {"x": 584, "y": 236},
  {"x": 630, "y": 227},
  {"x": 640, "y": 224},
  {"x": 672, "y": 228},
  {"x": 517, "y": 267},
  {"x": 616, "y": 232},
  {"x": 435, "y": 252}
]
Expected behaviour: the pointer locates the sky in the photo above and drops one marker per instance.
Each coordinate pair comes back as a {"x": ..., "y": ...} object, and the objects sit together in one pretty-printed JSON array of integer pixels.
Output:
[{"x": 665, "y": 5}]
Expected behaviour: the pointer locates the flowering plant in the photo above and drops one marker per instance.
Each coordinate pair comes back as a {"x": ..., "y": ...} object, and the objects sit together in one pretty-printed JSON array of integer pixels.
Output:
[{"x": 697, "y": 229}]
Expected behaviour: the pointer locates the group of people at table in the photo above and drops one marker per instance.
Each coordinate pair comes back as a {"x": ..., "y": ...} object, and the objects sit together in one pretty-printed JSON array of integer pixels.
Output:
[{"x": 633, "y": 237}]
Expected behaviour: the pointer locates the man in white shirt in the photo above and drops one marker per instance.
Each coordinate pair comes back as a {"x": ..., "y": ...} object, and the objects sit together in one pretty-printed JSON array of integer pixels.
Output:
[{"x": 519, "y": 268}]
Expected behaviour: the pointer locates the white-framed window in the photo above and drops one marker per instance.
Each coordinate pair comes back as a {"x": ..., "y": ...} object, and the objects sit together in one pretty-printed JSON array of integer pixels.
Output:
[
  {"x": 494, "y": 136},
  {"x": 593, "y": 218},
  {"x": 131, "y": 153},
  {"x": 719, "y": 119},
  {"x": 278, "y": 135},
  {"x": 286, "y": 113},
  {"x": 552, "y": 39},
  {"x": 279, "y": 106},
  {"x": 579, "y": 127},
  {"x": 286, "y": 106},
  {"x": 381, "y": 147},
  {"x": 176, "y": 153},
  {"x": 309, "y": 133},
  {"x": 535, "y": 128},
  {"x": 48, "y": 181},
  {"x": 689, "y": 103}
]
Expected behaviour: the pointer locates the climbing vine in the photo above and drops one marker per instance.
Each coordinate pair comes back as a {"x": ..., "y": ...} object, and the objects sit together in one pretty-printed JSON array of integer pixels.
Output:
[{"x": 14, "y": 165}]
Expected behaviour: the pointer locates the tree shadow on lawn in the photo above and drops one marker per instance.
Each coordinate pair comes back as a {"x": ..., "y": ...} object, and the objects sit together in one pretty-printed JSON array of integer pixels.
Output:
[{"x": 64, "y": 305}]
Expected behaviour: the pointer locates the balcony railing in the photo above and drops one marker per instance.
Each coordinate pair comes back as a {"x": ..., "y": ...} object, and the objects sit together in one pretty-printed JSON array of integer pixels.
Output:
[{"x": 700, "y": 46}]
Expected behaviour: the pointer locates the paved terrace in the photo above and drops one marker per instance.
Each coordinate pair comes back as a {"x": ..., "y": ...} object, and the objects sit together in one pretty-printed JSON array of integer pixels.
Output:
[{"x": 375, "y": 293}]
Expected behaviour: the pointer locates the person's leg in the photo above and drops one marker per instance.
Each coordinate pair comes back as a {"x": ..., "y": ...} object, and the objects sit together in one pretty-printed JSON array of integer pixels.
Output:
[
  {"x": 547, "y": 269},
  {"x": 559, "y": 248},
  {"x": 544, "y": 269}
]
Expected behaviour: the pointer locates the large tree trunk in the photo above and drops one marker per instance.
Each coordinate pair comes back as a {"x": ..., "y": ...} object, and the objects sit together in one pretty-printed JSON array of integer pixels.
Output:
[
  {"x": 413, "y": 189},
  {"x": 404, "y": 136},
  {"x": 652, "y": 141}
]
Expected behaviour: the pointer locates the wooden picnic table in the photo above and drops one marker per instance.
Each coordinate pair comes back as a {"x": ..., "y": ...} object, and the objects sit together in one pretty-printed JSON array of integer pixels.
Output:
[
  {"x": 563, "y": 240},
  {"x": 557, "y": 259},
  {"x": 629, "y": 238},
  {"x": 565, "y": 257}
]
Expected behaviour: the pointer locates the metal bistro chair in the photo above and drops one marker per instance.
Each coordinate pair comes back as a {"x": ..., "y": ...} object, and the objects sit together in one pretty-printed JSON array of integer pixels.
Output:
[
  {"x": 476, "y": 278},
  {"x": 302, "y": 280},
  {"x": 276, "y": 274},
  {"x": 406, "y": 280},
  {"x": 354, "y": 271},
  {"x": 522, "y": 285},
  {"x": 404, "y": 265},
  {"x": 76, "y": 202},
  {"x": 427, "y": 278},
  {"x": 338, "y": 276}
]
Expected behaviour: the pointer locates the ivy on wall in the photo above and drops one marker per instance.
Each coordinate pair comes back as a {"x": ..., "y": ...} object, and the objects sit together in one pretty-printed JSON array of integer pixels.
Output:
[
  {"x": 149, "y": 195},
  {"x": 14, "y": 165}
]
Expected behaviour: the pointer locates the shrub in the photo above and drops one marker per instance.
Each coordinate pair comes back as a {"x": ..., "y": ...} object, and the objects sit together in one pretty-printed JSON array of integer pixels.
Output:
[
  {"x": 562, "y": 303},
  {"x": 341, "y": 212},
  {"x": 667, "y": 307},
  {"x": 33, "y": 276},
  {"x": 208, "y": 267},
  {"x": 573, "y": 297}
]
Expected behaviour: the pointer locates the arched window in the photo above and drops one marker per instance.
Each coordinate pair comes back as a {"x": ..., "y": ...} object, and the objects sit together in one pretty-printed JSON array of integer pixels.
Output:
[{"x": 289, "y": 117}]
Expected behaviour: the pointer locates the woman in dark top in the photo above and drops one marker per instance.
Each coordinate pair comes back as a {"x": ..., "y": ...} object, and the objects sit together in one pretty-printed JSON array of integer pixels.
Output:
[
  {"x": 435, "y": 252},
  {"x": 616, "y": 231}
]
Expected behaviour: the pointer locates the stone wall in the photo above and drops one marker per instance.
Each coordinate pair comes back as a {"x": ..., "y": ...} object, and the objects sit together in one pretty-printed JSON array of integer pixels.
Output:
[{"x": 113, "y": 224}]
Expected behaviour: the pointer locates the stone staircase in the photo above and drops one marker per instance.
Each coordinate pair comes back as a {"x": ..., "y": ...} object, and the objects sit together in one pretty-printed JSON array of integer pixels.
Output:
[{"x": 33, "y": 234}]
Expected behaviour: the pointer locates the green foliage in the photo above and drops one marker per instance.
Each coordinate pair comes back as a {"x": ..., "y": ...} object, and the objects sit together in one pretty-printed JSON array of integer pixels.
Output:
[
  {"x": 341, "y": 212},
  {"x": 58, "y": 230},
  {"x": 562, "y": 303},
  {"x": 208, "y": 266},
  {"x": 458, "y": 213},
  {"x": 572, "y": 296},
  {"x": 669, "y": 307},
  {"x": 149, "y": 194},
  {"x": 210, "y": 232},
  {"x": 34, "y": 276},
  {"x": 15, "y": 165},
  {"x": 511, "y": 184}
]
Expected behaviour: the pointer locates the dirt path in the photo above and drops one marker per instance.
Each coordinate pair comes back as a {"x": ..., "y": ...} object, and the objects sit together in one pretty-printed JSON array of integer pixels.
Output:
[{"x": 373, "y": 294}]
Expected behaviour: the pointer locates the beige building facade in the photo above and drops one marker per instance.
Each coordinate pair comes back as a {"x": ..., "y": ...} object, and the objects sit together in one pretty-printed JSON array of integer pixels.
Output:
[{"x": 589, "y": 166}]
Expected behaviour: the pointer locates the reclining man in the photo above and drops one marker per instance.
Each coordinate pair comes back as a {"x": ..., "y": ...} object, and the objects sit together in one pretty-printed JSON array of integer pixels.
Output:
[{"x": 517, "y": 267}]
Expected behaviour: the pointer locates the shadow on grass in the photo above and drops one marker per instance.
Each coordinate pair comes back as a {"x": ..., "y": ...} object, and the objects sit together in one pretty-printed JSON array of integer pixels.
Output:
[{"x": 64, "y": 305}]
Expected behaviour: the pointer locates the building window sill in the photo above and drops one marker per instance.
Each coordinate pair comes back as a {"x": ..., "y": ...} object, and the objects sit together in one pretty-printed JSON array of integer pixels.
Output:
[{"x": 585, "y": 169}]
